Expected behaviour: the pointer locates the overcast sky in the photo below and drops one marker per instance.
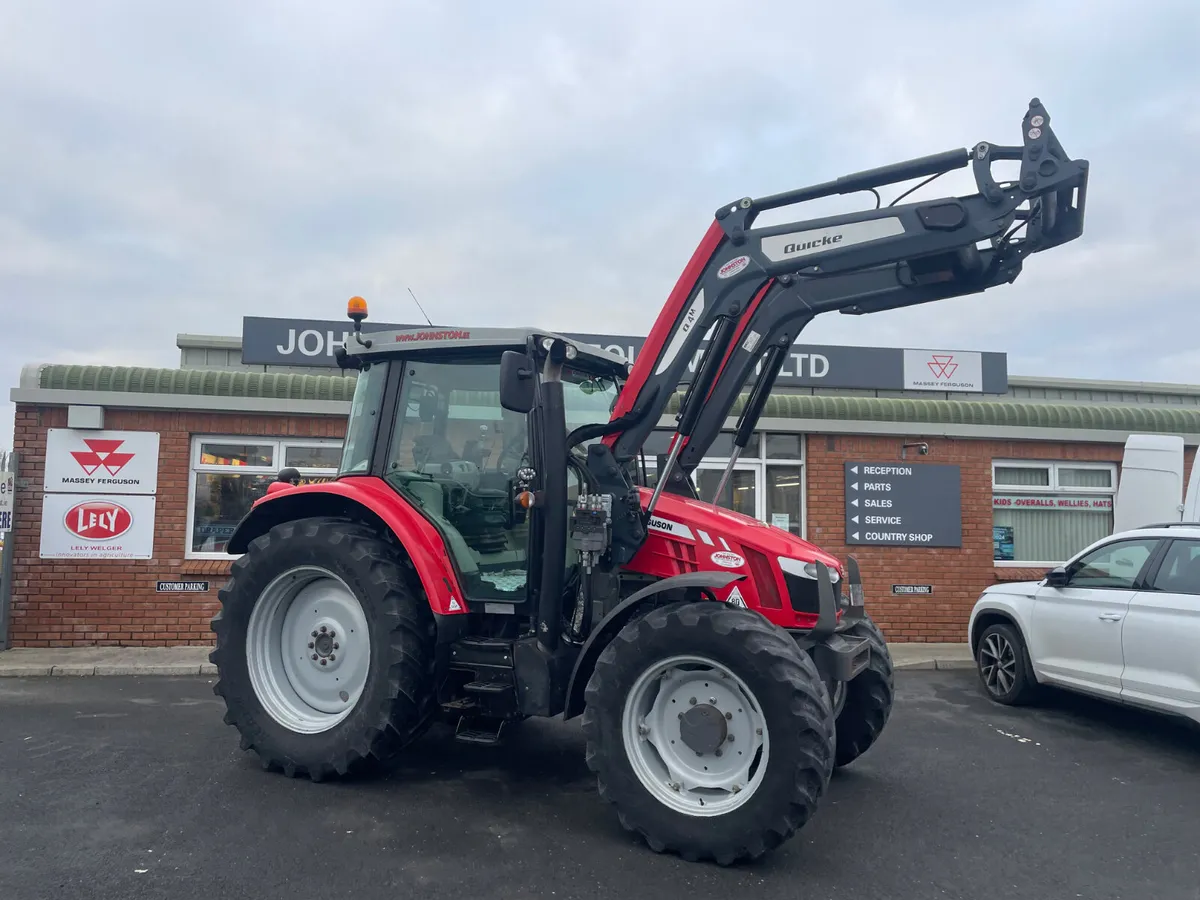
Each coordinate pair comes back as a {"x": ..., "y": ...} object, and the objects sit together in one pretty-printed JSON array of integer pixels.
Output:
[{"x": 170, "y": 167}]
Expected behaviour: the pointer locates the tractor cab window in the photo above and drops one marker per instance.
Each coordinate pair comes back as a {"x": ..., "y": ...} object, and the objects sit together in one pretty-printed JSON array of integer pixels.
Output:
[
  {"x": 588, "y": 399},
  {"x": 364, "y": 417},
  {"x": 455, "y": 453}
]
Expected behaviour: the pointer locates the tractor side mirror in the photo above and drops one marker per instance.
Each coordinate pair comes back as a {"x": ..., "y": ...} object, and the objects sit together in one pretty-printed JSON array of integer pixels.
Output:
[{"x": 517, "y": 384}]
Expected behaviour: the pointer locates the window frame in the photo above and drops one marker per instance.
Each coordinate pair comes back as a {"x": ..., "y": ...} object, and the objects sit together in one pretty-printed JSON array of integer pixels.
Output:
[
  {"x": 278, "y": 446},
  {"x": 760, "y": 463},
  {"x": 1053, "y": 488}
]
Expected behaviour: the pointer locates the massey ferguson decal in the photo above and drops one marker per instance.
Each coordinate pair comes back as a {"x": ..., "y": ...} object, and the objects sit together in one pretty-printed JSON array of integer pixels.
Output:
[
  {"x": 674, "y": 529},
  {"x": 97, "y": 527},
  {"x": 110, "y": 462},
  {"x": 732, "y": 267}
]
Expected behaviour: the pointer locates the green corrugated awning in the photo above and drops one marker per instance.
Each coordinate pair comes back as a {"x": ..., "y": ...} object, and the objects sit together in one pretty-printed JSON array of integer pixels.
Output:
[
  {"x": 197, "y": 382},
  {"x": 994, "y": 413}
]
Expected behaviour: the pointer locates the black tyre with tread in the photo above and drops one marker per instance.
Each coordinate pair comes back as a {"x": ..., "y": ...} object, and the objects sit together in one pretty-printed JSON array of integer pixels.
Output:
[
  {"x": 869, "y": 698},
  {"x": 398, "y": 699},
  {"x": 795, "y": 704},
  {"x": 1025, "y": 686}
]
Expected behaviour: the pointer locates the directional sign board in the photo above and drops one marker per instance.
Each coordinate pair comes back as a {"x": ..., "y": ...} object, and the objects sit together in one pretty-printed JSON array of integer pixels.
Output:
[{"x": 903, "y": 504}]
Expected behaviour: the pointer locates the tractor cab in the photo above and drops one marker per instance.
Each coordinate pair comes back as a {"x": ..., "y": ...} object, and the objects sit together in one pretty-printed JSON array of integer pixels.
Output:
[{"x": 428, "y": 417}]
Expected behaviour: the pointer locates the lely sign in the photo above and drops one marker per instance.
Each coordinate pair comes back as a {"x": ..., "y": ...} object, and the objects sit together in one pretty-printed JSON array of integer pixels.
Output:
[
  {"x": 88, "y": 462},
  {"x": 97, "y": 527}
]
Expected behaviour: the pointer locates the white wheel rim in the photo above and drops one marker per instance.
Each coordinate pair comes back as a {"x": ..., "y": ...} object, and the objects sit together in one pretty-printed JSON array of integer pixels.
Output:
[
  {"x": 308, "y": 650},
  {"x": 707, "y": 782}
]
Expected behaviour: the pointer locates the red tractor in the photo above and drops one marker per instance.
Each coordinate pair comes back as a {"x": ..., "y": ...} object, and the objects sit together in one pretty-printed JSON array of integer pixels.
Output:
[{"x": 495, "y": 546}]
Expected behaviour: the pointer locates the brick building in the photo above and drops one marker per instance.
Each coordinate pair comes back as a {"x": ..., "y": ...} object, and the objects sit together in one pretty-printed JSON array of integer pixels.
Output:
[{"x": 1034, "y": 461}]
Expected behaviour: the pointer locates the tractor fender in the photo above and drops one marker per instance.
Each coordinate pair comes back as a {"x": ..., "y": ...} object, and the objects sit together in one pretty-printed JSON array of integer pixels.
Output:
[
  {"x": 370, "y": 500},
  {"x": 651, "y": 595}
]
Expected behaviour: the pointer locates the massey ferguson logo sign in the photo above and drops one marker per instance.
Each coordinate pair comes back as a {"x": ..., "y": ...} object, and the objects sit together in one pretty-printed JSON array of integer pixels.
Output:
[
  {"x": 101, "y": 453},
  {"x": 942, "y": 366},
  {"x": 107, "y": 462},
  {"x": 943, "y": 370},
  {"x": 98, "y": 520}
]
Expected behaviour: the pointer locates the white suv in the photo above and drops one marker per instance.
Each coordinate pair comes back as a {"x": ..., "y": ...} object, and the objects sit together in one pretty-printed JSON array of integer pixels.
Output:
[{"x": 1121, "y": 620}]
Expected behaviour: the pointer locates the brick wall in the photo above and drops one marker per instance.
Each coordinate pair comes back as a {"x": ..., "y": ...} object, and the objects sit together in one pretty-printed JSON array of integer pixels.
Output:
[
  {"x": 113, "y": 602},
  {"x": 957, "y": 575},
  {"x": 103, "y": 602}
]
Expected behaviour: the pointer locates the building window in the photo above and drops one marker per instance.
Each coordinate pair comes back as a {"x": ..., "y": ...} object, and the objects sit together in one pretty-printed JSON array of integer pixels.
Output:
[
  {"x": 1043, "y": 513},
  {"x": 766, "y": 483},
  {"x": 229, "y": 473}
]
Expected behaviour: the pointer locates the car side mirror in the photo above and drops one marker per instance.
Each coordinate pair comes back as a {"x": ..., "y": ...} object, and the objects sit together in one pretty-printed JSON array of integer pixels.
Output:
[
  {"x": 1057, "y": 577},
  {"x": 517, "y": 384}
]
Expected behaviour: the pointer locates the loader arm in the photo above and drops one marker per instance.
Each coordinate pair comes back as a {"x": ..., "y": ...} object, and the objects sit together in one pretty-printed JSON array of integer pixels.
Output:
[{"x": 755, "y": 289}]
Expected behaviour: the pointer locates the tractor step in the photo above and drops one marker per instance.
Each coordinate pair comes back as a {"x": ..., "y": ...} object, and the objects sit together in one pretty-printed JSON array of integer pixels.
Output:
[
  {"x": 482, "y": 732},
  {"x": 476, "y": 651},
  {"x": 488, "y": 687}
]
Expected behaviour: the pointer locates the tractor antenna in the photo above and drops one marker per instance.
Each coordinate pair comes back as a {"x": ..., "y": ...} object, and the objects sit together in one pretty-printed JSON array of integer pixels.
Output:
[{"x": 418, "y": 302}]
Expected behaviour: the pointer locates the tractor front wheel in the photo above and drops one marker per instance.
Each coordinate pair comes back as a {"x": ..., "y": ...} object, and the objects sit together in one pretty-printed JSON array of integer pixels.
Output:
[
  {"x": 709, "y": 730},
  {"x": 324, "y": 648},
  {"x": 866, "y": 702}
]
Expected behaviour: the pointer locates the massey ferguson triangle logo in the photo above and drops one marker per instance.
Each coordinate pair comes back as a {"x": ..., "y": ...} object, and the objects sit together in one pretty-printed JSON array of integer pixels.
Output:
[
  {"x": 102, "y": 453},
  {"x": 942, "y": 366}
]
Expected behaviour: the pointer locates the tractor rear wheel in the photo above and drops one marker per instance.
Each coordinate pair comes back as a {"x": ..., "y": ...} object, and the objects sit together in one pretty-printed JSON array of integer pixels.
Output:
[
  {"x": 867, "y": 702},
  {"x": 324, "y": 650},
  {"x": 709, "y": 730}
]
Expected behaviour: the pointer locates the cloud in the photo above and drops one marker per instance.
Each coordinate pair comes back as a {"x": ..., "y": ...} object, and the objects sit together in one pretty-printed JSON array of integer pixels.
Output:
[{"x": 170, "y": 167}]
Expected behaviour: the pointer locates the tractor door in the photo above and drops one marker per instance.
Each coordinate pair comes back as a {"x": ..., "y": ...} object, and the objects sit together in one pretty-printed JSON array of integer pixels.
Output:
[{"x": 454, "y": 453}]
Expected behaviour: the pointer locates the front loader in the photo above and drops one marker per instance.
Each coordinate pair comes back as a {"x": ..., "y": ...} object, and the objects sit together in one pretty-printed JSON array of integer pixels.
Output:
[{"x": 494, "y": 547}]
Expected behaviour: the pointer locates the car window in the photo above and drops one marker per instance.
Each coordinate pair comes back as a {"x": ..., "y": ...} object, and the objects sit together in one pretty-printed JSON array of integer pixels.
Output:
[
  {"x": 1180, "y": 569},
  {"x": 1114, "y": 565}
]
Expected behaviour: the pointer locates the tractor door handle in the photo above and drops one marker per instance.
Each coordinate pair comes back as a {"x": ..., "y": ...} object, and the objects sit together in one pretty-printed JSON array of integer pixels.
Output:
[{"x": 1111, "y": 617}]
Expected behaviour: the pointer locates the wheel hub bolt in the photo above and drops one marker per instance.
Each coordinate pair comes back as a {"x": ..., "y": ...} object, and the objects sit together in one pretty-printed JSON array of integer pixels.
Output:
[
  {"x": 314, "y": 656},
  {"x": 311, "y": 645},
  {"x": 323, "y": 629},
  {"x": 324, "y": 661},
  {"x": 314, "y": 634},
  {"x": 718, "y": 753},
  {"x": 692, "y": 702},
  {"x": 332, "y": 657},
  {"x": 712, "y": 701},
  {"x": 728, "y": 715},
  {"x": 335, "y": 645},
  {"x": 332, "y": 633},
  {"x": 730, "y": 741}
]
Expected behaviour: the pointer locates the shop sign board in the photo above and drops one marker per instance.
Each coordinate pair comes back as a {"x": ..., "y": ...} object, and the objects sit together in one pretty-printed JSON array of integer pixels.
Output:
[
  {"x": 108, "y": 462},
  {"x": 314, "y": 342},
  {"x": 8, "y": 485},
  {"x": 903, "y": 504},
  {"x": 97, "y": 526}
]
